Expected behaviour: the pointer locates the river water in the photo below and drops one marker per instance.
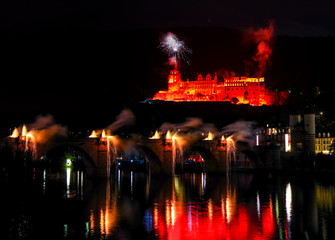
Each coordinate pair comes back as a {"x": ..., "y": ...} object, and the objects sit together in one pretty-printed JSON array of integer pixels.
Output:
[{"x": 132, "y": 205}]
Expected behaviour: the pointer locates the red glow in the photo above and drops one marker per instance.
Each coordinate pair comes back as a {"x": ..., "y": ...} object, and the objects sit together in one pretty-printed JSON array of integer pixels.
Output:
[
  {"x": 238, "y": 90},
  {"x": 262, "y": 56},
  {"x": 177, "y": 221},
  {"x": 263, "y": 37}
]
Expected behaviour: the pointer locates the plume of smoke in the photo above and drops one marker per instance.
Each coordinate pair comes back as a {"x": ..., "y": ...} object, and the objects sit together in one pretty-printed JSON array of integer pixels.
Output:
[
  {"x": 241, "y": 131},
  {"x": 126, "y": 117},
  {"x": 172, "y": 62},
  {"x": 188, "y": 125},
  {"x": 192, "y": 130},
  {"x": 263, "y": 38},
  {"x": 45, "y": 128}
]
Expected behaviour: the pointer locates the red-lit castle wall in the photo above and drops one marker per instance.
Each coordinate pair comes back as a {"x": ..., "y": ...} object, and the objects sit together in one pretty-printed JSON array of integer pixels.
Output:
[{"x": 240, "y": 90}]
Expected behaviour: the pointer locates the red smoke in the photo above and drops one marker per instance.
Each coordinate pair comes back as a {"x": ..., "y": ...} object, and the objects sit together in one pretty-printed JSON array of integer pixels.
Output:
[
  {"x": 172, "y": 62},
  {"x": 263, "y": 37}
]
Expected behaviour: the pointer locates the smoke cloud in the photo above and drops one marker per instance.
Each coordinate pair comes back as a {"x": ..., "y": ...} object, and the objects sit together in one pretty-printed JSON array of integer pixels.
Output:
[
  {"x": 126, "y": 117},
  {"x": 241, "y": 131},
  {"x": 192, "y": 130},
  {"x": 188, "y": 125},
  {"x": 44, "y": 128},
  {"x": 263, "y": 37},
  {"x": 172, "y": 62}
]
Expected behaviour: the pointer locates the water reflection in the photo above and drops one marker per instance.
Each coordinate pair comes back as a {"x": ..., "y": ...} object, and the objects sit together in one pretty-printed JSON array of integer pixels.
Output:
[
  {"x": 68, "y": 181},
  {"x": 288, "y": 202},
  {"x": 214, "y": 218},
  {"x": 74, "y": 183},
  {"x": 135, "y": 205},
  {"x": 44, "y": 180},
  {"x": 104, "y": 212},
  {"x": 288, "y": 205},
  {"x": 325, "y": 197}
]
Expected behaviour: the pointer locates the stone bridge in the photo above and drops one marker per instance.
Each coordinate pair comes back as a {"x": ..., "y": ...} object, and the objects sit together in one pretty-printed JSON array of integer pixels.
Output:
[{"x": 159, "y": 153}]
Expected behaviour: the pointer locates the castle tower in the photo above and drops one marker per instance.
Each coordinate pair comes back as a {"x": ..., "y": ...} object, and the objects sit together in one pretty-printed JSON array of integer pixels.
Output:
[
  {"x": 174, "y": 81},
  {"x": 216, "y": 78},
  {"x": 208, "y": 77},
  {"x": 200, "y": 77}
]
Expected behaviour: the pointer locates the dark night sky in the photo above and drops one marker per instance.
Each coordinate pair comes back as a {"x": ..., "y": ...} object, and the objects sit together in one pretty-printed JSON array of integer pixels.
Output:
[
  {"x": 297, "y": 17},
  {"x": 77, "y": 57}
]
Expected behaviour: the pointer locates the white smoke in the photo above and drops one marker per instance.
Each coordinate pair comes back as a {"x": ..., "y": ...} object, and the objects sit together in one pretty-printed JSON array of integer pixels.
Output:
[
  {"x": 193, "y": 126},
  {"x": 192, "y": 130},
  {"x": 241, "y": 131},
  {"x": 45, "y": 128},
  {"x": 125, "y": 118}
]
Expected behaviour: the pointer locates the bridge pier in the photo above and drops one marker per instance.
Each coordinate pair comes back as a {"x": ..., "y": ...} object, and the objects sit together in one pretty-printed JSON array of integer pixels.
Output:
[{"x": 101, "y": 161}]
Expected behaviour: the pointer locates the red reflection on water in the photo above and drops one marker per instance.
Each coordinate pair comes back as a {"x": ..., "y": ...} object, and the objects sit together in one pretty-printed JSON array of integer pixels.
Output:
[
  {"x": 211, "y": 220},
  {"x": 104, "y": 219}
]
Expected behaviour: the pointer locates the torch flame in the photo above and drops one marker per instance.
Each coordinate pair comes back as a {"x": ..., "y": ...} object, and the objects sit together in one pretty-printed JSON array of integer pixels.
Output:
[
  {"x": 24, "y": 131},
  {"x": 103, "y": 134},
  {"x": 210, "y": 136},
  {"x": 156, "y": 136},
  {"x": 168, "y": 135},
  {"x": 15, "y": 133},
  {"x": 93, "y": 134}
]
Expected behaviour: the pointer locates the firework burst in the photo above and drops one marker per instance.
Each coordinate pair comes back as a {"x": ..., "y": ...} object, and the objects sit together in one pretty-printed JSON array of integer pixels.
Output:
[{"x": 175, "y": 49}]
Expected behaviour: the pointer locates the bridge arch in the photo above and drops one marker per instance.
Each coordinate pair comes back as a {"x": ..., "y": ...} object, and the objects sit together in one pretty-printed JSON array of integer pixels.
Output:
[
  {"x": 210, "y": 160},
  {"x": 86, "y": 159},
  {"x": 155, "y": 163}
]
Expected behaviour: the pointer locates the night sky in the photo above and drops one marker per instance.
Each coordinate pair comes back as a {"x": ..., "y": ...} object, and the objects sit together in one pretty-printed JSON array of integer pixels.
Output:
[
  {"x": 298, "y": 17},
  {"x": 84, "y": 58}
]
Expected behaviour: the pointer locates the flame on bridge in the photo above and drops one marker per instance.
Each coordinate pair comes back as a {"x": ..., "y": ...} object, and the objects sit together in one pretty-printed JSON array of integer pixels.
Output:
[
  {"x": 27, "y": 138},
  {"x": 168, "y": 136},
  {"x": 210, "y": 136},
  {"x": 156, "y": 135},
  {"x": 24, "y": 131},
  {"x": 93, "y": 134},
  {"x": 15, "y": 133}
]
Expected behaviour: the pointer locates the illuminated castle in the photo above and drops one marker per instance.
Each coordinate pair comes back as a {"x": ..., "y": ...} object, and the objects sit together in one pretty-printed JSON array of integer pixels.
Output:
[{"x": 238, "y": 90}]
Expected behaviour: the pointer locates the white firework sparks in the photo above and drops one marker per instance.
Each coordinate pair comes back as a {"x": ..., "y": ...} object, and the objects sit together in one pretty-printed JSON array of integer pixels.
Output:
[
  {"x": 172, "y": 43},
  {"x": 174, "y": 47}
]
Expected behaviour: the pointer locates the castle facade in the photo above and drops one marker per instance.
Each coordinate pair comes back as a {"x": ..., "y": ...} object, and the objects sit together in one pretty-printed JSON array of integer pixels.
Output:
[{"x": 238, "y": 90}]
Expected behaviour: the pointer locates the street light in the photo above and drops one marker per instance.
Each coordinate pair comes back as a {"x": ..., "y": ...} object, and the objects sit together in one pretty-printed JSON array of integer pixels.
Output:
[{"x": 68, "y": 162}]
